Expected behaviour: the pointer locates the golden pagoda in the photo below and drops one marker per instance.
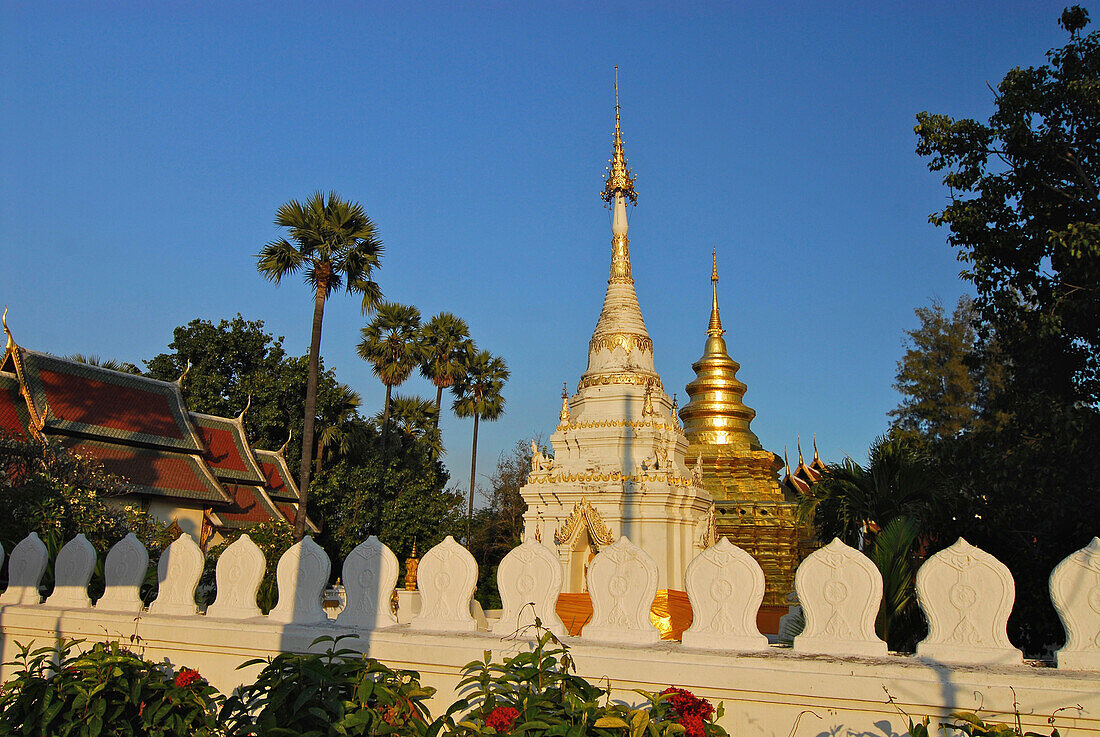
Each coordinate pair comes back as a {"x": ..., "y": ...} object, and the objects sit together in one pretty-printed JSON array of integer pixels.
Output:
[{"x": 752, "y": 508}]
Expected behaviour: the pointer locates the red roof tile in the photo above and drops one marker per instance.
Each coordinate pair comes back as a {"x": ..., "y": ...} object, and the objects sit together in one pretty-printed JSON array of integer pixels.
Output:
[
  {"x": 250, "y": 506},
  {"x": 13, "y": 409},
  {"x": 81, "y": 398},
  {"x": 280, "y": 484},
  {"x": 154, "y": 472},
  {"x": 227, "y": 450}
]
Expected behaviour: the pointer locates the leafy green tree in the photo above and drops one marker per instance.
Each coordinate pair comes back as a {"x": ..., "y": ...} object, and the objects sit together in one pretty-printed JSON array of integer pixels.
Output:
[
  {"x": 333, "y": 244},
  {"x": 338, "y": 436},
  {"x": 443, "y": 345},
  {"x": 478, "y": 394},
  {"x": 400, "y": 496},
  {"x": 1024, "y": 215},
  {"x": 391, "y": 346},
  {"x": 236, "y": 364},
  {"x": 936, "y": 377}
]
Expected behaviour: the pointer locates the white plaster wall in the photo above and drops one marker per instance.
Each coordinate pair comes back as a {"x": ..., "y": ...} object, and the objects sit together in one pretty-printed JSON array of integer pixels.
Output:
[{"x": 764, "y": 693}]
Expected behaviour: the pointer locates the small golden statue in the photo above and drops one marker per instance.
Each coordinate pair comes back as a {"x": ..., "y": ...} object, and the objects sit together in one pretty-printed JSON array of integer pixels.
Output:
[{"x": 411, "y": 564}]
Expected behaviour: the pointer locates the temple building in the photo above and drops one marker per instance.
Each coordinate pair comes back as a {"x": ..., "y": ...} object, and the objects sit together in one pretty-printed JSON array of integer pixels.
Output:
[
  {"x": 618, "y": 466},
  {"x": 751, "y": 507},
  {"x": 193, "y": 471}
]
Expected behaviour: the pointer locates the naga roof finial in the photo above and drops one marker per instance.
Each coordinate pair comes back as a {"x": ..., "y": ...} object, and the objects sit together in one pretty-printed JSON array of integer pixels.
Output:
[
  {"x": 186, "y": 369},
  {"x": 7, "y": 332},
  {"x": 247, "y": 404},
  {"x": 289, "y": 436},
  {"x": 619, "y": 177}
]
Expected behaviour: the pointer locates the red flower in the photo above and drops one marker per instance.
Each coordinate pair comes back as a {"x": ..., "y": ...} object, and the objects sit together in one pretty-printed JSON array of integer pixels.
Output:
[
  {"x": 502, "y": 719},
  {"x": 693, "y": 725},
  {"x": 186, "y": 677},
  {"x": 692, "y": 711}
]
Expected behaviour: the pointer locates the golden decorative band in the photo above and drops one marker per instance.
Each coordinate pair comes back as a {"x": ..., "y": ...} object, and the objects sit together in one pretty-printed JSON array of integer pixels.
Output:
[
  {"x": 621, "y": 378},
  {"x": 626, "y": 341}
]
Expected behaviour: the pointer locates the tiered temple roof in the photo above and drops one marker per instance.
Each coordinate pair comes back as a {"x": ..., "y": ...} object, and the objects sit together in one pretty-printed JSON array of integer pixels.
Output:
[{"x": 140, "y": 429}]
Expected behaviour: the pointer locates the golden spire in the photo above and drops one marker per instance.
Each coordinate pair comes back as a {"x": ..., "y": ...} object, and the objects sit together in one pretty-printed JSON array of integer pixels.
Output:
[
  {"x": 715, "y": 328},
  {"x": 619, "y": 177},
  {"x": 563, "y": 417},
  {"x": 620, "y": 343},
  {"x": 715, "y": 413}
]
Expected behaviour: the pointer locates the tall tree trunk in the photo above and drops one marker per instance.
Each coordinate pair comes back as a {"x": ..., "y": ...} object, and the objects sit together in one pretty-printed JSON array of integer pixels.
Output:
[
  {"x": 311, "y": 408},
  {"x": 386, "y": 418},
  {"x": 473, "y": 475},
  {"x": 438, "y": 403}
]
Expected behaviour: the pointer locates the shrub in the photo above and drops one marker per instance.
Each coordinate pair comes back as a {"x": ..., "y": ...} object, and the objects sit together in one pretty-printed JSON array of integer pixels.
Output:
[
  {"x": 107, "y": 690},
  {"x": 538, "y": 693},
  {"x": 339, "y": 692}
]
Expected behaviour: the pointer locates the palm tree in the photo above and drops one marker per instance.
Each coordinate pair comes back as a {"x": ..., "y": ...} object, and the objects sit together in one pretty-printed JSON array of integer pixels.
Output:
[
  {"x": 417, "y": 418},
  {"x": 333, "y": 244},
  {"x": 853, "y": 502},
  {"x": 478, "y": 395},
  {"x": 337, "y": 438},
  {"x": 391, "y": 345},
  {"x": 444, "y": 341}
]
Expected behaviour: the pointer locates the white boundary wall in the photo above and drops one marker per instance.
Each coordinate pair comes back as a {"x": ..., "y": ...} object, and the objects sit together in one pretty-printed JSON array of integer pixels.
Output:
[{"x": 764, "y": 690}]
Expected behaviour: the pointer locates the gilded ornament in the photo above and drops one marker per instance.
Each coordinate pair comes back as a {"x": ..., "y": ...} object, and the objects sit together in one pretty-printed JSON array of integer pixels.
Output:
[
  {"x": 584, "y": 512},
  {"x": 627, "y": 341}
]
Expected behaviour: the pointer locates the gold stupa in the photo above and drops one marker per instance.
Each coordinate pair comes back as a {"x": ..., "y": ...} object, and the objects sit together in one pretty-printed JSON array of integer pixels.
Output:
[{"x": 752, "y": 508}]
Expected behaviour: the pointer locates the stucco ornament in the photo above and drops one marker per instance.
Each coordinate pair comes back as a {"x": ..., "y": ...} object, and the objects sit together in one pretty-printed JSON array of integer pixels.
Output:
[
  {"x": 125, "y": 569},
  {"x": 179, "y": 570},
  {"x": 840, "y": 591},
  {"x": 446, "y": 580},
  {"x": 238, "y": 575},
  {"x": 726, "y": 587},
  {"x": 622, "y": 581},
  {"x": 369, "y": 576},
  {"x": 302, "y": 574},
  {"x": 1075, "y": 591},
  {"x": 966, "y": 595},
  {"x": 529, "y": 575},
  {"x": 25, "y": 569},
  {"x": 72, "y": 569}
]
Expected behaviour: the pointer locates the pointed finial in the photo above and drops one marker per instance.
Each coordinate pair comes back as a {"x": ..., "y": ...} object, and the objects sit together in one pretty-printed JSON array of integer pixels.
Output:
[
  {"x": 798, "y": 439},
  {"x": 675, "y": 405},
  {"x": 620, "y": 180},
  {"x": 247, "y": 404},
  {"x": 414, "y": 549},
  {"x": 786, "y": 463},
  {"x": 816, "y": 456},
  {"x": 714, "y": 329},
  {"x": 282, "y": 450},
  {"x": 179, "y": 381},
  {"x": 4, "y": 319},
  {"x": 563, "y": 416}
]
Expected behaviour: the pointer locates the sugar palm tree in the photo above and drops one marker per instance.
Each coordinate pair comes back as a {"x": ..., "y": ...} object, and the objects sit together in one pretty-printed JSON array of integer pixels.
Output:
[
  {"x": 334, "y": 244},
  {"x": 417, "y": 417},
  {"x": 443, "y": 340},
  {"x": 391, "y": 346},
  {"x": 478, "y": 395}
]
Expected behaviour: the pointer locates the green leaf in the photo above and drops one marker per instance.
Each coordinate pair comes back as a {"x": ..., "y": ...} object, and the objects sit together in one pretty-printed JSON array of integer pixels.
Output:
[{"x": 608, "y": 722}]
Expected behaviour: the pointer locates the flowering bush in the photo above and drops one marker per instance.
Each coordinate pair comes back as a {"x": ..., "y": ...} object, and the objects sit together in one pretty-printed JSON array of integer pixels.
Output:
[
  {"x": 339, "y": 692},
  {"x": 537, "y": 693},
  {"x": 107, "y": 690}
]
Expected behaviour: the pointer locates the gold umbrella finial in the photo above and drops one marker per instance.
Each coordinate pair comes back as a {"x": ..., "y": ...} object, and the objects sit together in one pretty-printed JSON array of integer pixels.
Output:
[{"x": 620, "y": 180}]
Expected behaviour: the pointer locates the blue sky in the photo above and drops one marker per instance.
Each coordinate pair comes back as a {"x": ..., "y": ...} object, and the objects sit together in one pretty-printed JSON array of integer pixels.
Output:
[{"x": 144, "y": 149}]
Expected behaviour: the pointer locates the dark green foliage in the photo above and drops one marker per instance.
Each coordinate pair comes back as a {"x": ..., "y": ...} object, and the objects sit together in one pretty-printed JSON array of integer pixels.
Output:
[
  {"x": 339, "y": 692},
  {"x": 538, "y": 693},
  {"x": 58, "y": 495},
  {"x": 1024, "y": 214},
  {"x": 894, "y": 552},
  {"x": 400, "y": 496},
  {"x": 235, "y": 364},
  {"x": 107, "y": 690}
]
